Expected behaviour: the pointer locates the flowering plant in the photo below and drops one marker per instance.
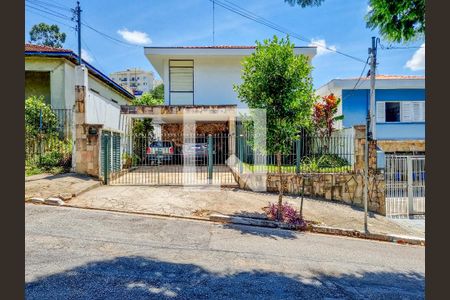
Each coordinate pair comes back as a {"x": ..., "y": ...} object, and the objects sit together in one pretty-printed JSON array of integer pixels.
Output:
[{"x": 289, "y": 215}]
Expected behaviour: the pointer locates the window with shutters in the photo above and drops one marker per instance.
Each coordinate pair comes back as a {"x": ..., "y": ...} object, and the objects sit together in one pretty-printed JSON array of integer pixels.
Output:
[
  {"x": 400, "y": 111},
  {"x": 181, "y": 82}
]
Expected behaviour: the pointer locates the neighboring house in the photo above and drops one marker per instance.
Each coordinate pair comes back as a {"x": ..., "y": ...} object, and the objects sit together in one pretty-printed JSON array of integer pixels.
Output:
[
  {"x": 400, "y": 109},
  {"x": 50, "y": 72},
  {"x": 197, "y": 77},
  {"x": 136, "y": 80}
]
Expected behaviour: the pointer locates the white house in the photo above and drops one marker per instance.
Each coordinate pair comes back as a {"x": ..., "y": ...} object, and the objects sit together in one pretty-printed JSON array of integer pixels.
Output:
[
  {"x": 50, "y": 72},
  {"x": 203, "y": 75}
]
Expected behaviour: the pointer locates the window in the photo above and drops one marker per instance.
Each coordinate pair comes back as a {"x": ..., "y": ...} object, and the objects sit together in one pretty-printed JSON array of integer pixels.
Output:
[
  {"x": 181, "y": 82},
  {"x": 400, "y": 111},
  {"x": 392, "y": 112}
]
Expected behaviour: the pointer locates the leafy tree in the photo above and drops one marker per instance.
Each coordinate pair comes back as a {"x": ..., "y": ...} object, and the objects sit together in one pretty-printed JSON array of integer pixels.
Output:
[
  {"x": 274, "y": 78},
  {"x": 398, "y": 21},
  {"x": 39, "y": 118},
  {"x": 304, "y": 3},
  {"x": 47, "y": 35},
  {"x": 158, "y": 92},
  {"x": 324, "y": 117}
]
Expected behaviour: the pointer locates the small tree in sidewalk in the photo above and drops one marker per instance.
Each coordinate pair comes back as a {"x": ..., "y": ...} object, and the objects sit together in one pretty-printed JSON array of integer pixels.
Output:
[{"x": 277, "y": 80}]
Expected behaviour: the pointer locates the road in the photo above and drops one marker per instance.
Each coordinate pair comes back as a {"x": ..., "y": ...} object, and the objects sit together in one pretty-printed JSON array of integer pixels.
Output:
[{"x": 87, "y": 254}]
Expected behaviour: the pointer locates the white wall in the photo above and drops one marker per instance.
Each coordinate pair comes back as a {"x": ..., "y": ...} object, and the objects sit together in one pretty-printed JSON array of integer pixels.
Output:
[
  {"x": 100, "y": 110},
  {"x": 213, "y": 80}
]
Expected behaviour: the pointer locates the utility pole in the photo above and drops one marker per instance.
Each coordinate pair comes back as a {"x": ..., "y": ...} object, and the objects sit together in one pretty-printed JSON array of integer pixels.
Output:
[
  {"x": 370, "y": 127},
  {"x": 77, "y": 18}
]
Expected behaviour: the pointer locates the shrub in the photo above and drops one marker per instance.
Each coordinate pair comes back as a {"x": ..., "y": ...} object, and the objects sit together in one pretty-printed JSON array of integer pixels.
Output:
[
  {"x": 317, "y": 162},
  {"x": 39, "y": 118},
  {"x": 289, "y": 215}
]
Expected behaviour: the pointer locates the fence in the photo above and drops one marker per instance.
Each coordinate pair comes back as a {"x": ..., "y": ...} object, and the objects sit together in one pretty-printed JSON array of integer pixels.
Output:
[
  {"x": 177, "y": 159},
  {"x": 47, "y": 149},
  {"x": 405, "y": 185},
  {"x": 310, "y": 153}
]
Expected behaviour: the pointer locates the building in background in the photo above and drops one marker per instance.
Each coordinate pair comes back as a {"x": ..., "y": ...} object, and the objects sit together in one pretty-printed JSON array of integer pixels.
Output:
[
  {"x": 399, "y": 109},
  {"x": 136, "y": 80}
]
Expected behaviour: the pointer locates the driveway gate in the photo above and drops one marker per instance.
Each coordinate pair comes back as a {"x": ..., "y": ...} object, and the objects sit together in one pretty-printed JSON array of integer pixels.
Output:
[
  {"x": 173, "y": 160},
  {"x": 405, "y": 185}
]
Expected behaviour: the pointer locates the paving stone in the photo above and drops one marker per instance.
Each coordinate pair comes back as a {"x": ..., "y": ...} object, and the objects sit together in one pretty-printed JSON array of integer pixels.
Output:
[{"x": 37, "y": 200}]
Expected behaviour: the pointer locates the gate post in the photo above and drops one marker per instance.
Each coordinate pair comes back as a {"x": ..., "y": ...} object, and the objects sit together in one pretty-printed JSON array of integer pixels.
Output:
[
  {"x": 297, "y": 156},
  {"x": 409, "y": 168},
  {"x": 210, "y": 159}
]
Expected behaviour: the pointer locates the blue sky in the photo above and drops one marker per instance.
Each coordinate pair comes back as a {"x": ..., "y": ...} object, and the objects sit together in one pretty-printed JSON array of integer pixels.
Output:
[{"x": 339, "y": 24}]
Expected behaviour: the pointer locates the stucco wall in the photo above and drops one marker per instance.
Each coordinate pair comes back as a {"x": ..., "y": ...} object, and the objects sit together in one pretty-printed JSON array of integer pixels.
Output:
[
  {"x": 38, "y": 84},
  {"x": 213, "y": 80}
]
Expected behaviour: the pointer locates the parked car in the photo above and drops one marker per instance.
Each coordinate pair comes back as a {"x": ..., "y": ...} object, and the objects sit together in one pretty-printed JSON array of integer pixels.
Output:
[
  {"x": 160, "y": 152},
  {"x": 195, "y": 153}
]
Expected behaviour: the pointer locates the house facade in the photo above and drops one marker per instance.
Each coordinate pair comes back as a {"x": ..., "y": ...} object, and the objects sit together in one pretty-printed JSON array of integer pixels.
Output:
[
  {"x": 400, "y": 109},
  {"x": 203, "y": 76},
  {"x": 51, "y": 73}
]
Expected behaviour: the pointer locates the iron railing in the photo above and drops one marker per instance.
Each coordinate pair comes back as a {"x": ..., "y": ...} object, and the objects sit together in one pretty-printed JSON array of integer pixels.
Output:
[{"x": 309, "y": 153}]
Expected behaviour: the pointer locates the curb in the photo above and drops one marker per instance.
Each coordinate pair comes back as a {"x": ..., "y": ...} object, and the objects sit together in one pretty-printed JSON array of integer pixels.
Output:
[{"x": 400, "y": 239}]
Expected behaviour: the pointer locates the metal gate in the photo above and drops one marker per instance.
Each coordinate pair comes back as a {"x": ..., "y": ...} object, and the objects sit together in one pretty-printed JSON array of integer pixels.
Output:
[
  {"x": 405, "y": 185},
  {"x": 176, "y": 159}
]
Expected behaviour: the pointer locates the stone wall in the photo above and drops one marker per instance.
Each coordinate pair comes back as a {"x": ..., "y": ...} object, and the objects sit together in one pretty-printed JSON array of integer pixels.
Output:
[
  {"x": 402, "y": 146},
  {"x": 345, "y": 187}
]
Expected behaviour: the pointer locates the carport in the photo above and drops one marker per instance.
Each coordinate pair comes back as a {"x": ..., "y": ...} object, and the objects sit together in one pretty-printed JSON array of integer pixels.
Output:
[{"x": 207, "y": 129}]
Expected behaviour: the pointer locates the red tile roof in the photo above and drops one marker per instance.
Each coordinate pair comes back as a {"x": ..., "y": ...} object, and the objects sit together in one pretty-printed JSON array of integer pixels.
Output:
[
  {"x": 392, "y": 77},
  {"x": 39, "y": 48}
]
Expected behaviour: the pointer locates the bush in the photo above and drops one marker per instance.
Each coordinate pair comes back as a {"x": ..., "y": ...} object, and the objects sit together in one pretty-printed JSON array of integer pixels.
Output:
[
  {"x": 289, "y": 215},
  {"x": 324, "y": 161},
  {"x": 38, "y": 113}
]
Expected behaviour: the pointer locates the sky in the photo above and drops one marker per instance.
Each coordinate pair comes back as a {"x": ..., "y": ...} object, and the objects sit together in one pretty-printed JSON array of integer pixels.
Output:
[{"x": 337, "y": 24}]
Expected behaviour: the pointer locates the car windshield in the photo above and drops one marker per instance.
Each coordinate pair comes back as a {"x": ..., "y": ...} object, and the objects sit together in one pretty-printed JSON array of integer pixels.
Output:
[{"x": 161, "y": 144}]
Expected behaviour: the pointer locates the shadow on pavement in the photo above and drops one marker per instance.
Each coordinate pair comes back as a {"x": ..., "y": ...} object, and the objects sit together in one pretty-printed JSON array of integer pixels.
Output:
[{"x": 144, "y": 278}]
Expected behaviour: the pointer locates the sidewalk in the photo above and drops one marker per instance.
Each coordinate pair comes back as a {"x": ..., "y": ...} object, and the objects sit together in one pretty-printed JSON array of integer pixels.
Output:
[
  {"x": 48, "y": 185},
  {"x": 202, "y": 202}
]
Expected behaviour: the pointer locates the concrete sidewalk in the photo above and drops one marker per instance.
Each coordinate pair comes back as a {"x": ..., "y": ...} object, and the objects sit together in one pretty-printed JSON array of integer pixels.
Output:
[
  {"x": 48, "y": 185},
  {"x": 202, "y": 202}
]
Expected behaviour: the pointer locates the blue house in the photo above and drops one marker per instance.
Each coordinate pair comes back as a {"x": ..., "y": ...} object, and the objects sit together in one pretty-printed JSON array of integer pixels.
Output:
[{"x": 399, "y": 113}]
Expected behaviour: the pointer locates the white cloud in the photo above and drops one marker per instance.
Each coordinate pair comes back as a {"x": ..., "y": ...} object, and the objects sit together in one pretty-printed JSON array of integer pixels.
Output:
[
  {"x": 135, "y": 37},
  {"x": 369, "y": 8},
  {"x": 321, "y": 44},
  {"x": 86, "y": 56},
  {"x": 417, "y": 61}
]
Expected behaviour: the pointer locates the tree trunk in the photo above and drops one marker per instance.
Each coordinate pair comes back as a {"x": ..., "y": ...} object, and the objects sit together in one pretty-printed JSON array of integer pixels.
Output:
[{"x": 280, "y": 188}]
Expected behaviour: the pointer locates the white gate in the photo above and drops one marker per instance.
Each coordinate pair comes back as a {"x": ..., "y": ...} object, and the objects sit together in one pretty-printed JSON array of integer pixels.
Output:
[{"x": 405, "y": 185}]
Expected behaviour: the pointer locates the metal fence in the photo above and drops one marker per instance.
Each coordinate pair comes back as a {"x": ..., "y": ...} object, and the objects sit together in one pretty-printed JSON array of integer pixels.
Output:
[
  {"x": 310, "y": 153},
  {"x": 176, "y": 159},
  {"x": 48, "y": 149},
  {"x": 405, "y": 185}
]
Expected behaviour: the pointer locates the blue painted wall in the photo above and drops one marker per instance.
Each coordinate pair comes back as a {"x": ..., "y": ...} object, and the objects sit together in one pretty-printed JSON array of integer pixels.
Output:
[{"x": 355, "y": 104}]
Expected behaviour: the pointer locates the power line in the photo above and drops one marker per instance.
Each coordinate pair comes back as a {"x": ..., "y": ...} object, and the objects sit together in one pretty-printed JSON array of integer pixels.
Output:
[
  {"x": 50, "y": 18},
  {"x": 50, "y": 13},
  {"x": 252, "y": 16},
  {"x": 91, "y": 52},
  {"x": 108, "y": 36},
  {"x": 61, "y": 7}
]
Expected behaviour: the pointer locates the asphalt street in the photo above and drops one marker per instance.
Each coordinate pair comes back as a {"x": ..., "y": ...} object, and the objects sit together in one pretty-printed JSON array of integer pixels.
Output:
[{"x": 86, "y": 254}]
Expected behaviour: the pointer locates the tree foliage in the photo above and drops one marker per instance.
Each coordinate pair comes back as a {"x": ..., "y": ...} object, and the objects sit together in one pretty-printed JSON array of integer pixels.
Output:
[
  {"x": 158, "y": 92},
  {"x": 47, "y": 35},
  {"x": 277, "y": 80},
  {"x": 304, "y": 3},
  {"x": 398, "y": 21},
  {"x": 324, "y": 116},
  {"x": 39, "y": 118},
  {"x": 144, "y": 127}
]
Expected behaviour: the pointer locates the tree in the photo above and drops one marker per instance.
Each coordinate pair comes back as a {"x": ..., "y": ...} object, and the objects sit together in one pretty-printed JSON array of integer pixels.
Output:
[
  {"x": 47, "y": 35},
  {"x": 398, "y": 21},
  {"x": 158, "y": 92},
  {"x": 274, "y": 78},
  {"x": 144, "y": 127},
  {"x": 324, "y": 117}
]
